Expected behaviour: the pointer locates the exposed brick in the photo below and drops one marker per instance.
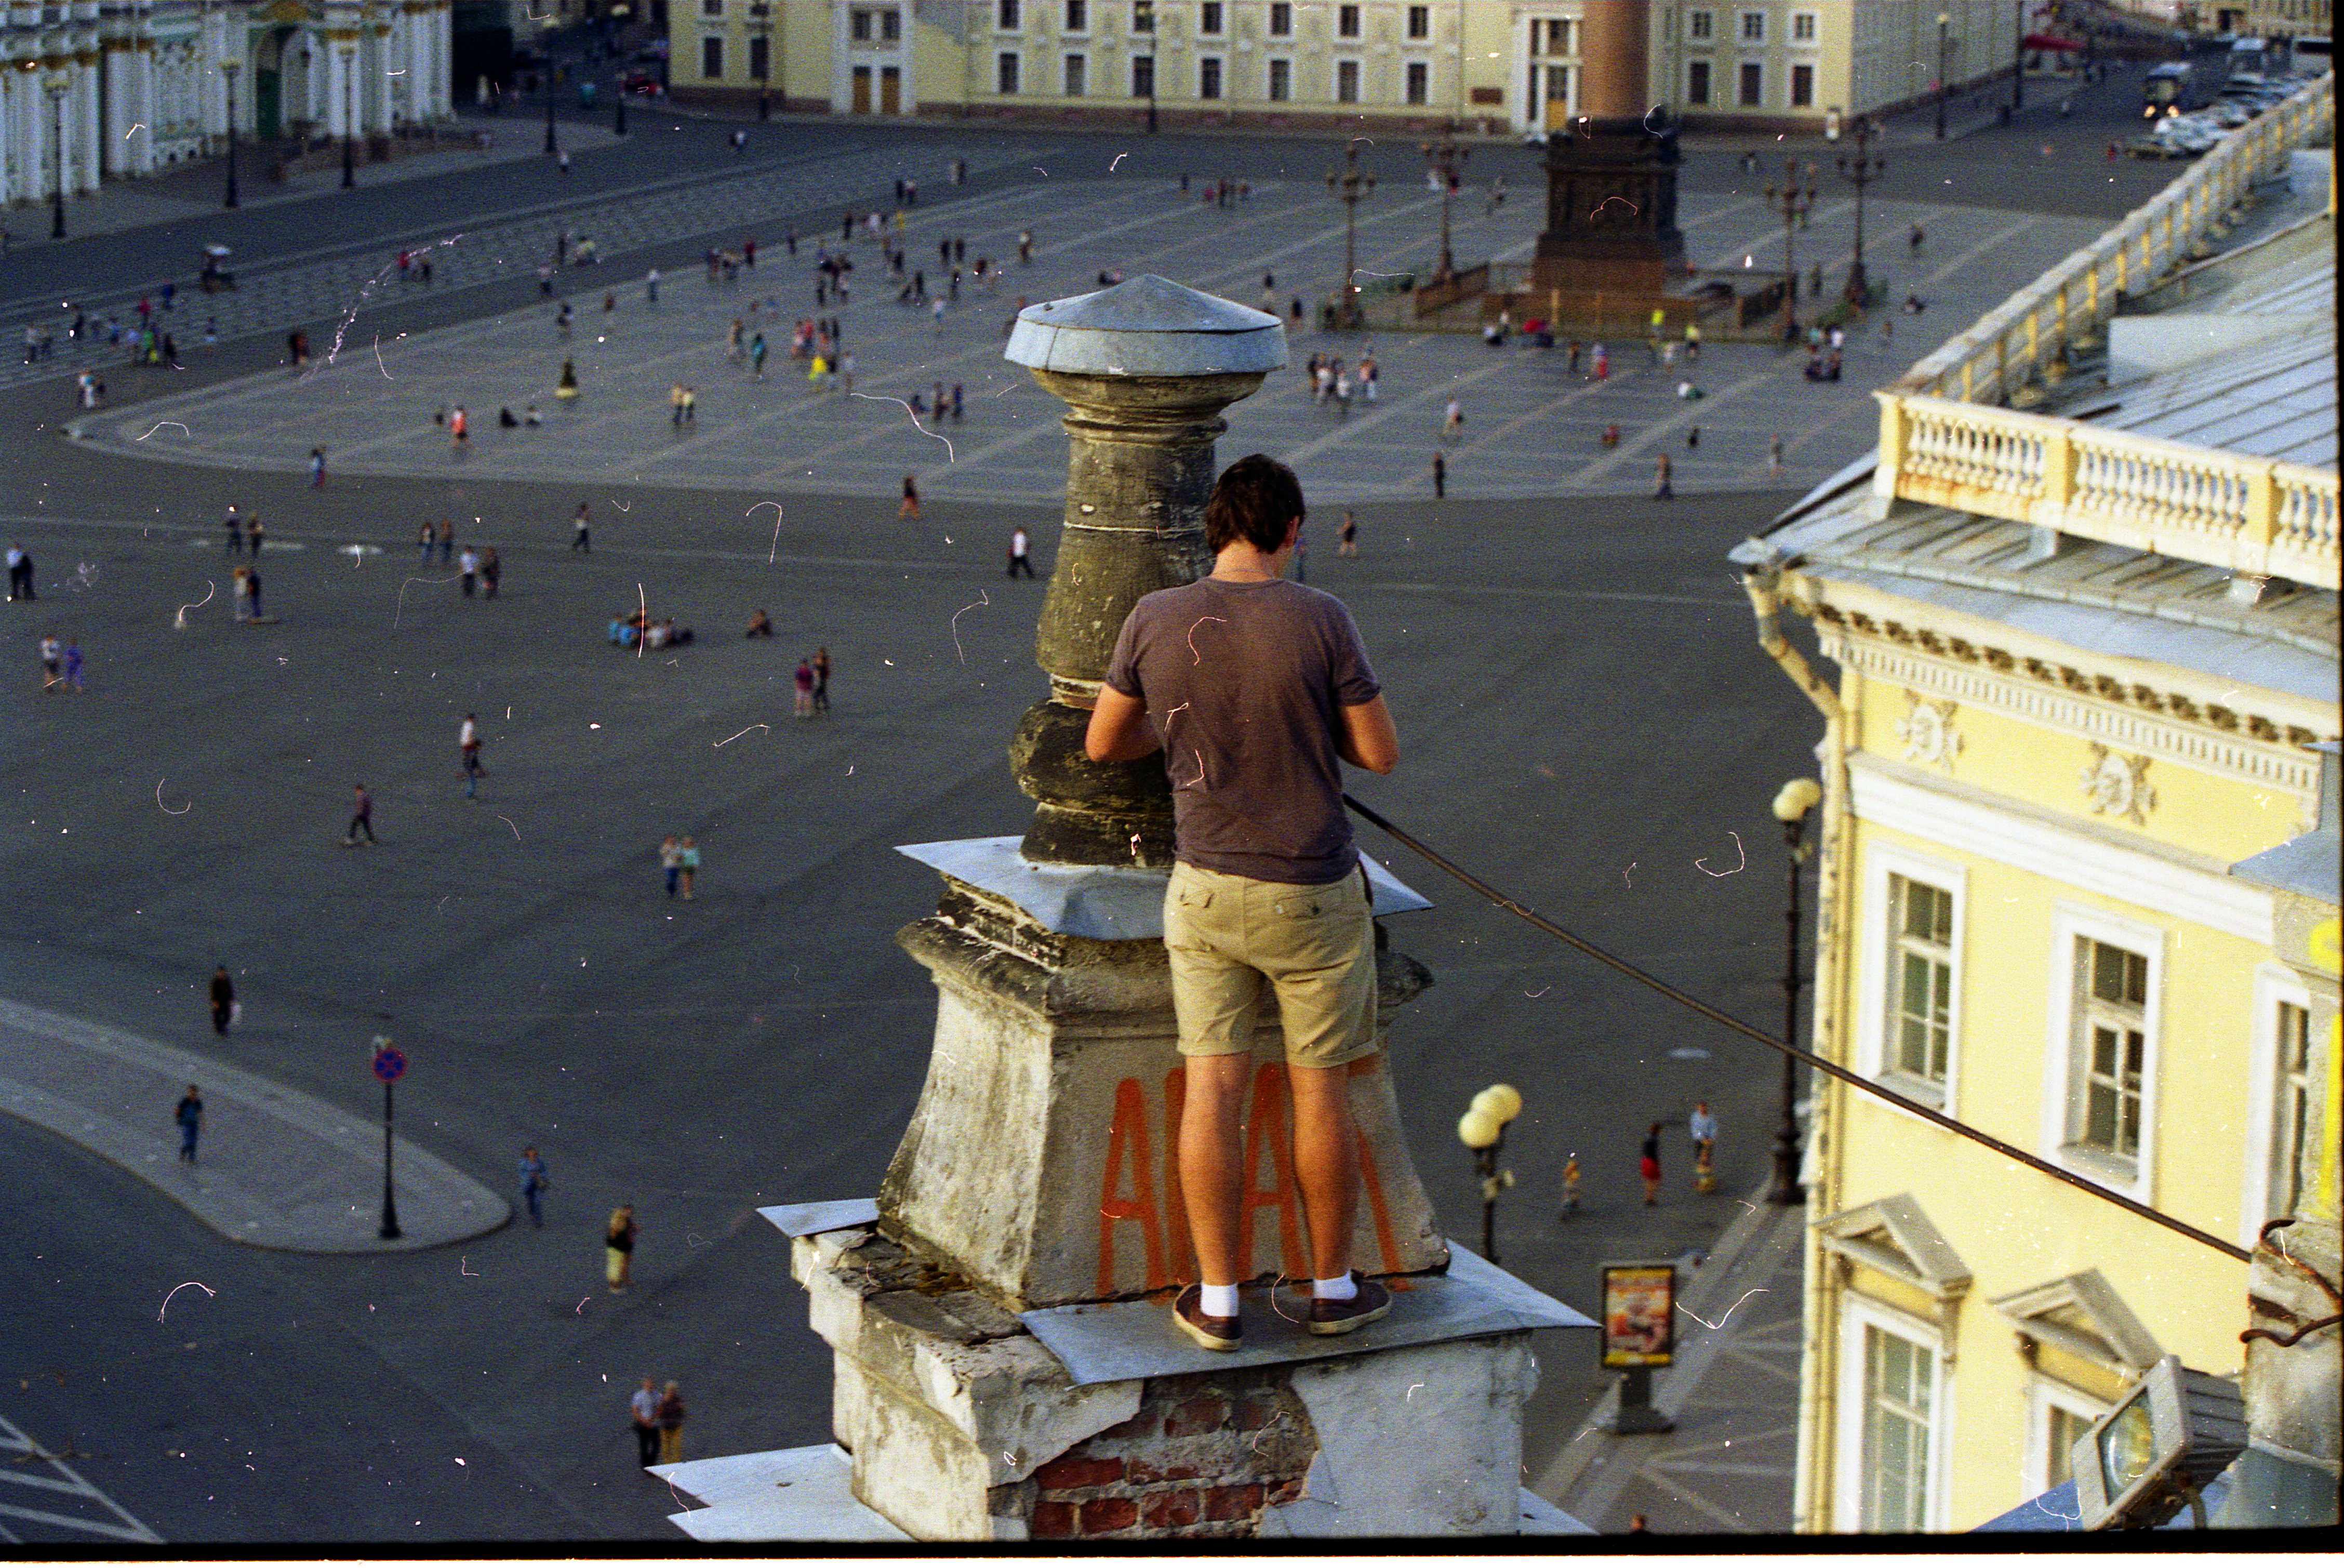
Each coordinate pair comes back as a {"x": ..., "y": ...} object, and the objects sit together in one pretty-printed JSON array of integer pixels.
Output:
[
  {"x": 1286, "y": 1490},
  {"x": 1070, "y": 1470},
  {"x": 1103, "y": 1515},
  {"x": 1190, "y": 1417},
  {"x": 1233, "y": 1502},
  {"x": 1142, "y": 1472},
  {"x": 1255, "y": 1411},
  {"x": 1051, "y": 1521},
  {"x": 1170, "y": 1510}
]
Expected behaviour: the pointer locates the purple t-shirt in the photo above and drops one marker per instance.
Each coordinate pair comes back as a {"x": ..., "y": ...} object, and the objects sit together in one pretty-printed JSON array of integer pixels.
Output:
[{"x": 1241, "y": 681}]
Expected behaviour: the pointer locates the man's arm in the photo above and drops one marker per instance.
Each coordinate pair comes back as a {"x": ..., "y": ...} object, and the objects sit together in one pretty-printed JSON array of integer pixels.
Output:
[
  {"x": 1119, "y": 731},
  {"x": 1367, "y": 740}
]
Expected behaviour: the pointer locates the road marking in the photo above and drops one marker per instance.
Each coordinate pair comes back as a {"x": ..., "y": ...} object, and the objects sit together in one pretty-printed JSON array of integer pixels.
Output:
[{"x": 13, "y": 1440}]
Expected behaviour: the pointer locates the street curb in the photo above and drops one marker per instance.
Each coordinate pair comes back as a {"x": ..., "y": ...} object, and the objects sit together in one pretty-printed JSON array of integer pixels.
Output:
[{"x": 443, "y": 1204}]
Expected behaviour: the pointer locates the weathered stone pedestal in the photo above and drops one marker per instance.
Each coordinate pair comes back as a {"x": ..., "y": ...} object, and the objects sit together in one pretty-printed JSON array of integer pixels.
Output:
[
  {"x": 1612, "y": 183},
  {"x": 1006, "y": 1363}
]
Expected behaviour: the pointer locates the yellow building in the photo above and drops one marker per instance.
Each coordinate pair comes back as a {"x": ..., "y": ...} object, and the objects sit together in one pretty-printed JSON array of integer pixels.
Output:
[
  {"x": 1489, "y": 67},
  {"x": 2086, "y": 636}
]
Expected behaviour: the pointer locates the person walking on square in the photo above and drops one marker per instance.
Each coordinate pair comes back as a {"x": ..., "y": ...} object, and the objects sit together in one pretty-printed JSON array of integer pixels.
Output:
[
  {"x": 317, "y": 468},
  {"x": 234, "y": 526},
  {"x": 802, "y": 683},
  {"x": 1020, "y": 560},
  {"x": 911, "y": 507},
  {"x": 72, "y": 675},
  {"x": 643, "y": 1408},
  {"x": 670, "y": 1425},
  {"x": 671, "y": 862},
  {"x": 534, "y": 1180},
  {"x": 20, "y": 574},
  {"x": 581, "y": 542},
  {"x": 821, "y": 680},
  {"x": 1439, "y": 477},
  {"x": 361, "y": 817},
  {"x": 447, "y": 535},
  {"x": 1452, "y": 420},
  {"x": 1648, "y": 1165},
  {"x": 1662, "y": 489},
  {"x": 459, "y": 427},
  {"x": 255, "y": 535},
  {"x": 191, "y": 1118},
  {"x": 619, "y": 1250},
  {"x": 493, "y": 569},
  {"x": 469, "y": 564},
  {"x": 1571, "y": 1187},
  {"x": 1267, "y": 886},
  {"x": 423, "y": 545},
  {"x": 675, "y": 406},
  {"x": 687, "y": 861},
  {"x": 223, "y": 1000},
  {"x": 467, "y": 746},
  {"x": 1702, "y": 1126},
  {"x": 1347, "y": 543}
]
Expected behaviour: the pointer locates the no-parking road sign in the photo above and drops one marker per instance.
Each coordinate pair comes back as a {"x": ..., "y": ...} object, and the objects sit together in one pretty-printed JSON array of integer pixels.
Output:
[{"x": 389, "y": 1063}]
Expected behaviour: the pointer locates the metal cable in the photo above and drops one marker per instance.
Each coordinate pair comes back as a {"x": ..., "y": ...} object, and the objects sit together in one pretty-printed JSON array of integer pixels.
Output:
[{"x": 1820, "y": 1064}]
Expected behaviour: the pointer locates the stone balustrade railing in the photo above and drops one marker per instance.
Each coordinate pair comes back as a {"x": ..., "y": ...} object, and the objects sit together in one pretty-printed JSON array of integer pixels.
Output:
[
  {"x": 2070, "y": 305},
  {"x": 2254, "y": 516}
]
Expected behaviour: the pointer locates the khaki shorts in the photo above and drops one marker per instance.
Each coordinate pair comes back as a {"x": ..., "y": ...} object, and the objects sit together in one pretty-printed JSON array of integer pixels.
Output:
[{"x": 1227, "y": 934}]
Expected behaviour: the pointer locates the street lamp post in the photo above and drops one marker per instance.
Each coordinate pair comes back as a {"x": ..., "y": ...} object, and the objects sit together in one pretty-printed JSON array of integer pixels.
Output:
[
  {"x": 1482, "y": 1129},
  {"x": 545, "y": 48},
  {"x": 762, "y": 15},
  {"x": 1792, "y": 804},
  {"x": 350, "y": 118},
  {"x": 1444, "y": 158},
  {"x": 1944, "y": 86},
  {"x": 58, "y": 86},
  {"x": 1350, "y": 185},
  {"x": 1859, "y": 171},
  {"x": 1794, "y": 202},
  {"x": 229, "y": 69}
]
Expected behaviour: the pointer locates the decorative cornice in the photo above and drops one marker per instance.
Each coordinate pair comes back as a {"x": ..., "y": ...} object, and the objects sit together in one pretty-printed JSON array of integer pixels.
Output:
[{"x": 2163, "y": 725}]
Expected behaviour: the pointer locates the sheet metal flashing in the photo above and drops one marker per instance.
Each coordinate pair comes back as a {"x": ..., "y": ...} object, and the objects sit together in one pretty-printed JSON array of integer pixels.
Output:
[
  {"x": 1115, "y": 1341},
  {"x": 812, "y": 1218}
]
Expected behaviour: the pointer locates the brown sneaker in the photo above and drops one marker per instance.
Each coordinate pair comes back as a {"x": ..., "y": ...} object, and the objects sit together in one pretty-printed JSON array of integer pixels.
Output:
[
  {"x": 1213, "y": 1333},
  {"x": 1341, "y": 1316}
]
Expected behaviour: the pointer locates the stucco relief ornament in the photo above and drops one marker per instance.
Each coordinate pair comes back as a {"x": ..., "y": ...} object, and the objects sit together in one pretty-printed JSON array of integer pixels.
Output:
[
  {"x": 2120, "y": 786},
  {"x": 1928, "y": 734}
]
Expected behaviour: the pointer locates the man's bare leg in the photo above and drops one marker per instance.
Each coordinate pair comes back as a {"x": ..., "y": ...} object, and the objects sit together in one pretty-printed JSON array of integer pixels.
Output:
[
  {"x": 1212, "y": 1157},
  {"x": 1326, "y": 1164}
]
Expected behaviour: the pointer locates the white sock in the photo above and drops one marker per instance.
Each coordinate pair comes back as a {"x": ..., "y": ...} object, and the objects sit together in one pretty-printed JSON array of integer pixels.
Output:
[
  {"x": 1219, "y": 1301},
  {"x": 1341, "y": 1289}
]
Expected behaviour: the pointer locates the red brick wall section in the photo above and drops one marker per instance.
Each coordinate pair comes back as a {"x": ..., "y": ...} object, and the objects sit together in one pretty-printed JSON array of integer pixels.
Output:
[{"x": 1204, "y": 1456}]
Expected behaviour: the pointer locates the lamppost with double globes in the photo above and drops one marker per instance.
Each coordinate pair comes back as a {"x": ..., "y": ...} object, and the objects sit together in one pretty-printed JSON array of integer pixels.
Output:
[
  {"x": 348, "y": 55},
  {"x": 1350, "y": 185},
  {"x": 229, "y": 69},
  {"x": 1944, "y": 87},
  {"x": 1482, "y": 1129},
  {"x": 1793, "y": 802},
  {"x": 1859, "y": 171},
  {"x": 57, "y": 86},
  {"x": 1794, "y": 202},
  {"x": 1443, "y": 159}
]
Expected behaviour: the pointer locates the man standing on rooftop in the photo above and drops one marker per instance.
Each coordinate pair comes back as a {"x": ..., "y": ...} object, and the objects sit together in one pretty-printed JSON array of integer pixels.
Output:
[{"x": 1254, "y": 688}]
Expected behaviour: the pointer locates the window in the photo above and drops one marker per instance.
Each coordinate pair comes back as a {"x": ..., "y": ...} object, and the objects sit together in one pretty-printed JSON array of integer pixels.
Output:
[
  {"x": 1209, "y": 76},
  {"x": 1281, "y": 19},
  {"x": 1007, "y": 15},
  {"x": 1143, "y": 77},
  {"x": 1697, "y": 81},
  {"x": 1804, "y": 26},
  {"x": 711, "y": 58},
  {"x": 1209, "y": 18},
  {"x": 2293, "y": 1110},
  {"x": 1699, "y": 27},
  {"x": 2115, "y": 1031},
  {"x": 712, "y": 7},
  {"x": 1347, "y": 21},
  {"x": 1419, "y": 81},
  {"x": 1143, "y": 15},
  {"x": 1898, "y": 1376},
  {"x": 1420, "y": 21},
  {"x": 1753, "y": 27},
  {"x": 1347, "y": 81},
  {"x": 1005, "y": 73},
  {"x": 1754, "y": 84},
  {"x": 1077, "y": 68},
  {"x": 760, "y": 58},
  {"x": 1281, "y": 81},
  {"x": 1920, "y": 1024},
  {"x": 1802, "y": 87},
  {"x": 858, "y": 26},
  {"x": 1079, "y": 15},
  {"x": 891, "y": 27},
  {"x": 1552, "y": 38},
  {"x": 2061, "y": 1428}
]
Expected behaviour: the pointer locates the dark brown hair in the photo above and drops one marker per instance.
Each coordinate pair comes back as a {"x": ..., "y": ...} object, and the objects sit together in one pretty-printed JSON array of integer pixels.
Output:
[{"x": 1254, "y": 500}]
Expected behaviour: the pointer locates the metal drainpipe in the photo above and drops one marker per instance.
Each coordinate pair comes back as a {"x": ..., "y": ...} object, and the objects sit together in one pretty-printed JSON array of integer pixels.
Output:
[{"x": 1818, "y": 1369}]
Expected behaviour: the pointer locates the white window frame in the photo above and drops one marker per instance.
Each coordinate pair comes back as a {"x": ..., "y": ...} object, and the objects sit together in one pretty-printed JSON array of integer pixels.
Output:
[
  {"x": 1074, "y": 64},
  {"x": 2063, "y": 1051},
  {"x": 1708, "y": 100},
  {"x": 1219, "y": 70},
  {"x": 2042, "y": 1396},
  {"x": 1858, "y": 1314},
  {"x": 1008, "y": 15},
  {"x": 707, "y": 39},
  {"x": 1812, "y": 21},
  {"x": 1358, "y": 80},
  {"x": 1270, "y": 79},
  {"x": 1410, "y": 17},
  {"x": 2274, "y": 983},
  {"x": 1066, "y": 25},
  {"x": 1743, "y": 33},
  {"x": 1209, "y": 23},
  {"x": 1741, "y": 66},
  {"x": 1280, "y": 11},
  {"x": 1355, "y": 15},
  {"x": 1700, "y": 27},
  {"x": 1009, "y": 62},
  {"x": 1409, "y": 74},
  {"x": 1791, "y": 84},
  {"x": 1876, "y": 985}
]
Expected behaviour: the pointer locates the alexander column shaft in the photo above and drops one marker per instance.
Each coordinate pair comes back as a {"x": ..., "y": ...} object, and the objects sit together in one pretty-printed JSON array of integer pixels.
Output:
[{"x": 1146, "y": 368}]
